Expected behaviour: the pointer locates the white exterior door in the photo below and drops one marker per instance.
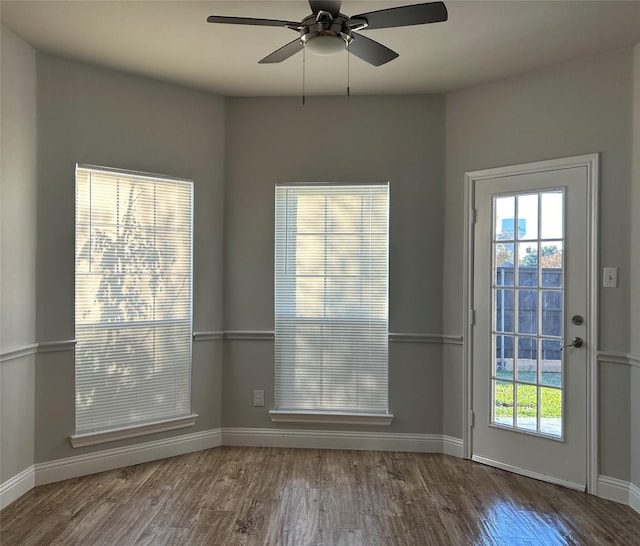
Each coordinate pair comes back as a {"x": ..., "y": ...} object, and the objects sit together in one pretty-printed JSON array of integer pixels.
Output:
[{"x": 531, "y": 301}]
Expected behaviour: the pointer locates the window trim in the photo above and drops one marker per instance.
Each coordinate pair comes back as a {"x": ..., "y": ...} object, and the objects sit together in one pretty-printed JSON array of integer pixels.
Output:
[
  {"x": 111, "y": 435},
  {"x": 331, "y": 417}
]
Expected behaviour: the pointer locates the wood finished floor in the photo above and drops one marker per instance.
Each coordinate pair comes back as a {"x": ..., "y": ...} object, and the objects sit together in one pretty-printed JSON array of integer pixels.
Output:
[{"x": 297, "y": 497}]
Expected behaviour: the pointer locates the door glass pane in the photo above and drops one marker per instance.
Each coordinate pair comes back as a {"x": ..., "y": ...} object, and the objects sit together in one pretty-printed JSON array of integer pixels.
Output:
[
  {"x": 552, "y": 313},
  {"x": 527, "y": 410},
  {"x": 505, "y": 213},
  {"x": 503, "y": 255},
  {"x": 527, "y": 312},
  {"x": 551, "y": 411},
  {"x": 504, "y": 310},
  {"x": 504, "y": 274},
  {"x": 527, "y": 360},
  {"x": 527, "y": 264},
  {"x": 503, "y": 402},
  {"x": 552, "y": 215},
  {"x": 527, "y": 217},
  {"x": 551, "y": 363},
  {"x": 503, "y": 360},
  {"x": 551, "y": 262}
]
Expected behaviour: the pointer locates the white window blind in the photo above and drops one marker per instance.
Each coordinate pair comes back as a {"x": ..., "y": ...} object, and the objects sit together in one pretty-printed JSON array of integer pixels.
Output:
[
  {"x": 331, "y": 298},
  {"x": 133, "y": 299}
]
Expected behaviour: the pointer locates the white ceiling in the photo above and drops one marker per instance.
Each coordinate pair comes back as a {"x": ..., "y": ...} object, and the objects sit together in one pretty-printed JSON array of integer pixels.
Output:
[{"x": 171, "y": 40}]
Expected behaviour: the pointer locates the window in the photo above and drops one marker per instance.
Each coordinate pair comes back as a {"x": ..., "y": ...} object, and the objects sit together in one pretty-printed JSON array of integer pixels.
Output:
[
  {"x": 133, "y": 304},
  {"x": 331, "y": 300}
]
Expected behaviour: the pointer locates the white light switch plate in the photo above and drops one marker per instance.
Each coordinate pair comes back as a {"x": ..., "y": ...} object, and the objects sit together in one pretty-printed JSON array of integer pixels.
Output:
[
  {"x": 610, "y": 277},
  {"x": 258, "y": 398}
]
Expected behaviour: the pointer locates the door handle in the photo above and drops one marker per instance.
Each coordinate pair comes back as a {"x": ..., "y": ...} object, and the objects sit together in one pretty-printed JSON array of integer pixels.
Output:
[{"x": 576, "y": 342}]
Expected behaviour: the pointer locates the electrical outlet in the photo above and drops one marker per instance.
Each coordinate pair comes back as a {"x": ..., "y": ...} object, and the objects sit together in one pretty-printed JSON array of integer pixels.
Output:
[
  {"x": 258, "y": 398},
  {"x": 610, "y": 277}
]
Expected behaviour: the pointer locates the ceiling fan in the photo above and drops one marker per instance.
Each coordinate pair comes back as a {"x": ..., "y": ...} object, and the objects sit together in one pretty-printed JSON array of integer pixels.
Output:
[{"x": 327, "y": 31}]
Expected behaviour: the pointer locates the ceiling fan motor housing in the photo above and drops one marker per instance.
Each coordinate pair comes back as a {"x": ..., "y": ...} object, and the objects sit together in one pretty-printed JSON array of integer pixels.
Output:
[{"x": 324, "y": 34}]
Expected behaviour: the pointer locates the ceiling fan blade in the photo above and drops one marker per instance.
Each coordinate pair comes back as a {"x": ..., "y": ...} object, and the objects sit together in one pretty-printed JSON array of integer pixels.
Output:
[
  {"x": 402, "y": 16},
  {"x": 251, "y": 21},
  {"x": 370, "y": 51},
  {"x": 283, "y": 53},
  {"x": 332, "y": 6}
]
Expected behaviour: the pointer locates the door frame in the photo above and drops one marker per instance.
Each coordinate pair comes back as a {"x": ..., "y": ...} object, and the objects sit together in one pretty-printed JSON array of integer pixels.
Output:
[{"x": 472, "y": 178}]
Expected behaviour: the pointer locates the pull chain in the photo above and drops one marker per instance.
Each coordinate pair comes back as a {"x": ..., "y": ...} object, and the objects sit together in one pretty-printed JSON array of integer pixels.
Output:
[
  {"x": 304, "y": 59},
  {"x": 348, "y": 71}
]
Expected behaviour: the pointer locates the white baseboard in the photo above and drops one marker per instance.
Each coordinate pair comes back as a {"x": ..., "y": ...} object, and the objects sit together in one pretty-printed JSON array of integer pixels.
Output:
[
  {"x": 100, "y": 461},
  {"x": 336, "y": 439},
  {"x": 527, "y": 473},
  {"x": 634, "y": 497},
  {"x": 619, "y": 491},
  {"x": 453, "y": 446},
  {"x": 16, "y": 486},
  {"x": 613, "y": 489}
]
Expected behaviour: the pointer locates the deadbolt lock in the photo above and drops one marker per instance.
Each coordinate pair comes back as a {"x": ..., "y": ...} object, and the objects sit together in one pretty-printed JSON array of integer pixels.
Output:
[{"x": 577, "y": 320}]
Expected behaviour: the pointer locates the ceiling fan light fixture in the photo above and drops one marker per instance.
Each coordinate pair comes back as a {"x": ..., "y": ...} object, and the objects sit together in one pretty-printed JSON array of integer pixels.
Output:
[
  {"x": 325, "y": 45},
  {"x": 325, "y": 34}
]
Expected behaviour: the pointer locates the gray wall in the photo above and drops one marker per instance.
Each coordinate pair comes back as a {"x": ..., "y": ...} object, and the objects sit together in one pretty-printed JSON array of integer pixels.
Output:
[
  {"x": 18, "y": 252},
  {"x": 96, "y": 116},
  {"x": 236, "y": 150},
  {"x": 635, "y": 277},
  {"x": 338, "y": 139},
  {"x": 569, "y": 109}
]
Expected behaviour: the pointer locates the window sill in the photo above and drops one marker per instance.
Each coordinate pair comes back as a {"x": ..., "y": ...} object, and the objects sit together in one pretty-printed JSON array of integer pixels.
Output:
[
  {"x": 329, "y": 417},
  {"x": 92, "y": 438}
]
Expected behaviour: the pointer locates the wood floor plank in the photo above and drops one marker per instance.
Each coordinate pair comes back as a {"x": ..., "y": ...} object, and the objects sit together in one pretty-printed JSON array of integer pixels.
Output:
[{"x": 308, "y": 497}]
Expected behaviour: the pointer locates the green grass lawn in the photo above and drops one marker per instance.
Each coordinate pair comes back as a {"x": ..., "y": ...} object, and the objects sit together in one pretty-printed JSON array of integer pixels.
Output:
[{"x": 550, "y": 400}]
